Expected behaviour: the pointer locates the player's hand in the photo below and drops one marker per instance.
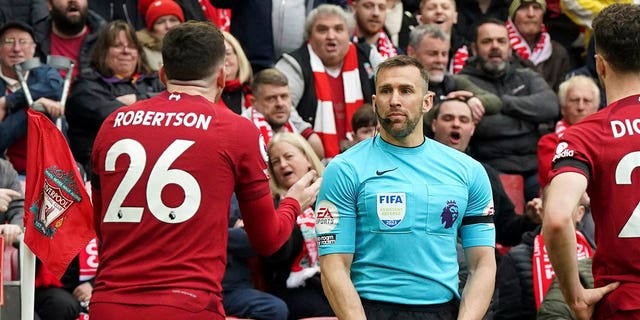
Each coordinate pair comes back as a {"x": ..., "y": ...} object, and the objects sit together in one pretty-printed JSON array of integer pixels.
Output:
[
  {"x": 306, "y": 189},
  {"x": 6, "y": 196},
  {"x": 10, "y": 233},
  {"x": 585, "y": 306},
  {"x": 533, "y": 210},
  {"x": 127, "y": 99},
  {"x": 54, "y": 108},
  {"x": 83, "y": 292}
]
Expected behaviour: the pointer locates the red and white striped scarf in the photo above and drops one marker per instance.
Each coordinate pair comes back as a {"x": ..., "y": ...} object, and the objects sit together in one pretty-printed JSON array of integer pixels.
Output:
[
  {"x": 384, "y": 45},
  {"x": 459, "y": 59},
  {"x": 543, "y": 273},
  {"x": 541, "y": 52},
  {"x": 265, "y": 128},
  {"x": 325, "y": 124},
  {"x": 306, "y": 264}
]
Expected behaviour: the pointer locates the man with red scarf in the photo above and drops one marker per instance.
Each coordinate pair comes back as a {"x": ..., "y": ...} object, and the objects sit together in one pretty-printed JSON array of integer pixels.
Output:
[
  {"x": 329, "y": 76},
  {"x": 370, "y": 16}
]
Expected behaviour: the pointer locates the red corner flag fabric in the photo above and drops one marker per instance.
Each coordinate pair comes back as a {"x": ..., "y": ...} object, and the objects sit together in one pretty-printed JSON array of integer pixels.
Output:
[{"x": 58, "y": 212}]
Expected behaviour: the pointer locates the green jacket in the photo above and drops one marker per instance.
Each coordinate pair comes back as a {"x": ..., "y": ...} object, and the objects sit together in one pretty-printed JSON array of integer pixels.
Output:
[{"x": 553, "y": 305}]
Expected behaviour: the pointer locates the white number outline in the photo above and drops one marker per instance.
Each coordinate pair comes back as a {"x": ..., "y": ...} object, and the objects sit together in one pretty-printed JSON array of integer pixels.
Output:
[
  {"x": 161, "y": 175},
  {"x": 624, "y": 169}
]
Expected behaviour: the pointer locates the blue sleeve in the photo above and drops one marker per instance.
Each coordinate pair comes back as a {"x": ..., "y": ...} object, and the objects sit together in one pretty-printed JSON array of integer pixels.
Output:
[
  {"x": 13, "y": 127},
  {"x": 43, "y": 82},
  {"x": 480, "y": 205},
  {"x": 336, "y": 209}
]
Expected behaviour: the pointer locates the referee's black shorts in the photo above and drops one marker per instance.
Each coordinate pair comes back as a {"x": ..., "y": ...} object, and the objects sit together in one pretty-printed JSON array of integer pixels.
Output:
[{"x": 378, "y": 310}]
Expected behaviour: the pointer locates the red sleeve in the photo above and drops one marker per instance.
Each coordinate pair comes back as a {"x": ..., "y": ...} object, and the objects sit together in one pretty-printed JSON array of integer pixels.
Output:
[
  {"x": 546, "y": 151},
  {"x": 268, "y": 229},
  {"x": 307, "y": 132}
]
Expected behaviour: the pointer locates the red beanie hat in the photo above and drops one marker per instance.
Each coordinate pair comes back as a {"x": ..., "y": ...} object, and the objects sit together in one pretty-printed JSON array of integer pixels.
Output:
[
  {"x": 143, "y": 5},
  {"x": 159, "y": 8}
]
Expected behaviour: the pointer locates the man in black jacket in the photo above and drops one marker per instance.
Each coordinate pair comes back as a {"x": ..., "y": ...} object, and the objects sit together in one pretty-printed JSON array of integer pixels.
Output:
[{"x": 508, "y": 139}]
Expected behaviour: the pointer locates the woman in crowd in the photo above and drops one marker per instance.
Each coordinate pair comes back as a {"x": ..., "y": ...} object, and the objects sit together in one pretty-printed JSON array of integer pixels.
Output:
[
  {"x": 118, "y": 78},
  {"x": 294, "y": 272},
  {"x": 237, "y": 91},
  {"x": 161, "y": 16}
]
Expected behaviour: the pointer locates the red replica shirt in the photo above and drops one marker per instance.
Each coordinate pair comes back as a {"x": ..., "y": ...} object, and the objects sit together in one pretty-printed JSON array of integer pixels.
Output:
[
  {"x": 165, "y": 171},
  {"x": 605, "y": 147}
]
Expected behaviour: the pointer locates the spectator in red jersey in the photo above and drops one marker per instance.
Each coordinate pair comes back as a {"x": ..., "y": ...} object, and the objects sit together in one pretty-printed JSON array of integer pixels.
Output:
[
  {"x": 118, "y": 77},
  {"x": 70, "y": 30},
  {"x": 163, "y": 184},
  {"x": 161, "y": 16},
  {"x": 295, "y": 274}
]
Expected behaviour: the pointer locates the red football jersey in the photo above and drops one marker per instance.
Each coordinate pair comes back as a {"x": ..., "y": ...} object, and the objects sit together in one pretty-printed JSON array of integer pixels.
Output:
[
  {"x": 608, "y": 142},
  {"x": 165, "y": 171}
]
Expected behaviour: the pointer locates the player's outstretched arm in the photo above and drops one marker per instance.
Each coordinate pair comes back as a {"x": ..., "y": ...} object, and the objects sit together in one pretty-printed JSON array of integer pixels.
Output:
[
  {"x": 269, "y": 229},
  {"x": 338, "y": 287}
]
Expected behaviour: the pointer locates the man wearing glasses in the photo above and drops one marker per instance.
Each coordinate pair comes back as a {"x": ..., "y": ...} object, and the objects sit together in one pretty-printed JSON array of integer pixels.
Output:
[{"x": 45, "y": 84}]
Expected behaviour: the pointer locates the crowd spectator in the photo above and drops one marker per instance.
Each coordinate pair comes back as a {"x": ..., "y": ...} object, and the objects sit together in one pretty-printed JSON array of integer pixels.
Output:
[
  {"x": 268, "y": 29},
  {"x": 118, "y": 77},
  {"x": 271, "y": 110},
  {"x": 330, "y": 77},
  {"x": 452, "y": 125},
  {"x": 45, "y": 85},
  {"x": 399, "y": 23},
  {"x": 294, "y": 275},
  {"x": 370, "y": 16},
  {"x": 236, "y": 94},
  {"x": 579, "y": 97},
  {"x": 444, "y": 15},
  {"x": 430, "y": 45},
  {"x": 161, "y": 16},
  {"x": 70, "y": 30},
  {"x": 508, "y": 139},
  {"x": 531, "y": 41}
]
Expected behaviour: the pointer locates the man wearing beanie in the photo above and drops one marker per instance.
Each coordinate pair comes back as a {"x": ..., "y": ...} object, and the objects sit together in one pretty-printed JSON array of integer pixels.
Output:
[
  {"x": 160, "y": 16},
  {"x": 531, "y": 41}
]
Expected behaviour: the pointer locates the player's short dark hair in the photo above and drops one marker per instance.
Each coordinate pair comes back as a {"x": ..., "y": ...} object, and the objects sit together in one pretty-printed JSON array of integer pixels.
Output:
[
  {"x": 193, "y": 50},
  {"x": 364, "y": 117},
  {"x": 616, "y": 29},
  {"x": 404, "y": 61},
  {"x": 270, "y": 76}
]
